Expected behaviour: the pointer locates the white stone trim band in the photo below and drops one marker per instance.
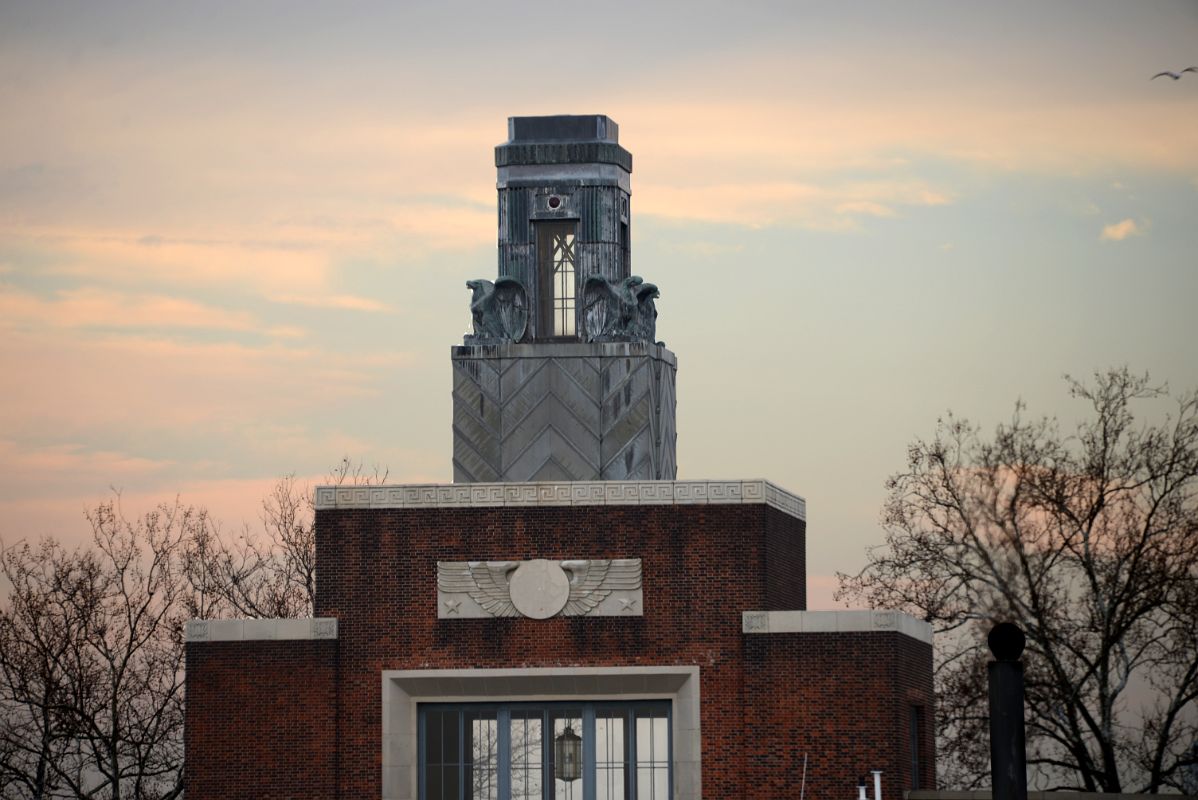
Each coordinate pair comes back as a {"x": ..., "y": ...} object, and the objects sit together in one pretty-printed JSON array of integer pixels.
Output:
[
  {"x": 561, "y": 493},
  {"x": 836, "y": 622},
  {"x": 247, "y": 630}
]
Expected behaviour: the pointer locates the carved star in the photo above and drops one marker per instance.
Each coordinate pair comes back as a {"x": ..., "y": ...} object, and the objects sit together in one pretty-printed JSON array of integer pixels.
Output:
[
  {"x": 627, "y": 603},
  {"x": 451, "y": 606}
]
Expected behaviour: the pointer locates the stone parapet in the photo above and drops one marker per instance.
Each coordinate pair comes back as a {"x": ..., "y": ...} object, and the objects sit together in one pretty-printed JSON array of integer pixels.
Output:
[
  {"x": 249, "y": 630},
  {"x": 855, "y": 621},
  {"x": 561, "y": 493}
]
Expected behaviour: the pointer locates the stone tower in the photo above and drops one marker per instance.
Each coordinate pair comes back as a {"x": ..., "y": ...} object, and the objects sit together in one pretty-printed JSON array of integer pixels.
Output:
[{"x": 563, "y": 378}]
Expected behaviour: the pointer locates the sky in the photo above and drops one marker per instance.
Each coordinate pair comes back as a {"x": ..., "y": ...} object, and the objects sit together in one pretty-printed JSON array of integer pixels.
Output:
[{"x": 234, "y": 237}]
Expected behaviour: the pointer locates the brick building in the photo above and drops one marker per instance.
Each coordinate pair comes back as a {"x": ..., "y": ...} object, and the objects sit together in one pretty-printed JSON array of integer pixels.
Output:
[{"x": 566, "y": 620}]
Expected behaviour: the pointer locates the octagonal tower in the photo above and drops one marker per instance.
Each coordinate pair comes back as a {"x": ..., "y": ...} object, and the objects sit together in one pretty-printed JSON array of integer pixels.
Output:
[{"x": 563, "y": 378}]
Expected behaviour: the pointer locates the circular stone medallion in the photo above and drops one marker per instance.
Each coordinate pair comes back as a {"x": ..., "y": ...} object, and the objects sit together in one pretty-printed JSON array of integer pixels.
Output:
[{"x": 539, "y": 588}]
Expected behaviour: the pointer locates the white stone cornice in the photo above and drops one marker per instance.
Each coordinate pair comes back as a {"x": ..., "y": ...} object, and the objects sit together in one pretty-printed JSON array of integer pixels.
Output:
[
  {"x": 854, "y": 621},
  {"x": 248, "y": 630},
  {"x": 561, "y": 493}
]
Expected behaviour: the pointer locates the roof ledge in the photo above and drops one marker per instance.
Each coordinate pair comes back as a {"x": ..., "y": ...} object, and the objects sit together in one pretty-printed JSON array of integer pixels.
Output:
[
  {"x": 862, "y": 621},
  {"x": 562, "y": 493}
]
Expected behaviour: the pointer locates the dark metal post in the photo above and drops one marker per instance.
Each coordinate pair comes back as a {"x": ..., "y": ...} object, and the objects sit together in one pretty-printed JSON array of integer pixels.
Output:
[{"x": 1008, "y": 754}]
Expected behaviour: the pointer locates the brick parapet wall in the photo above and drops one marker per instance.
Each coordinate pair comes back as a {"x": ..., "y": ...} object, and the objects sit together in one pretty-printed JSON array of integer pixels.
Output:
[
  {"x": 702, "y": 564},
  {"x": 806, "y": 691},
  {"x": 261, "y": 719}
]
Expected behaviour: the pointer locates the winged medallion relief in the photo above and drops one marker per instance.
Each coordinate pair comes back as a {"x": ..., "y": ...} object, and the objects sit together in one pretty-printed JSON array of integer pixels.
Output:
[{"x": 539, "y": 588}]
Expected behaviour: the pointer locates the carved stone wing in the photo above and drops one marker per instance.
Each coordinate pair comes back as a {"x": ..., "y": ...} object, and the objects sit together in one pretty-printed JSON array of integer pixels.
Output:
[
  {"x": 486, "y": 582},
  {"x": 600, "y": 307},
  {"x": 511, "y": 303},
  {"x": 592, "y": 581}
]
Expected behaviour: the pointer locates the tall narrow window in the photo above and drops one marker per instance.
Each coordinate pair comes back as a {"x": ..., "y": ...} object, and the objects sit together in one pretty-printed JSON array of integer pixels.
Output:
[
  {"x": 557, "y": 256},
  {"x": 652, "y": 754},
  {"x": 525, "y": 756},
  {"x": 611, "y": 755},
  {"x": 916, "y": 740},
  {"x": 482, "y": 749},
  {"x": 625, "y": 251},
  {"x": 566, "y": 722},
  {"x": 442, "y": 734}
]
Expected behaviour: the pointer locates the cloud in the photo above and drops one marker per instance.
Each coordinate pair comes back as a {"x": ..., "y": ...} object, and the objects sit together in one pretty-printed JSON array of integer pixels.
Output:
[
  {"x": 706, "y": 249},
  {"x": 88, "y": 307},
  {"x": 75, "y": 388},
  {"x": 119, "y": 255},
  {"x": 346, "y": 302},
  {"x": 866, "y": 207},
  {"x": 832, "y": 205},
  {"x": 1119, "y": 231}
]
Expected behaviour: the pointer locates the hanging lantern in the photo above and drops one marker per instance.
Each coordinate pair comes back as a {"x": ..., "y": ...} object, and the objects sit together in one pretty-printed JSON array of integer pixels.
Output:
[{"x": 567, "y": 755}]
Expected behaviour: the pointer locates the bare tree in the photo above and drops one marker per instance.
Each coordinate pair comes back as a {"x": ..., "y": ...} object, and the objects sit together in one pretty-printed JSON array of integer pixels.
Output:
[
  {"x": 92, "y": 662},
  {"x": 91, "y": 640},
  {"x": 273, "y": 574},
  {"x": 1089, "y": 542},
  {"x": 38, "y": 628}
]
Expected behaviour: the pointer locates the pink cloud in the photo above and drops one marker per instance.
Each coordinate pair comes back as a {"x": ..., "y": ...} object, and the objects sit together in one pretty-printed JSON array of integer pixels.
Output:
[
  {"x": 1118, "y": 231},
  {"x": 92, "y": 307},
  {"x": 72, "y": 385},
  {"x": 343, "y": 301}
]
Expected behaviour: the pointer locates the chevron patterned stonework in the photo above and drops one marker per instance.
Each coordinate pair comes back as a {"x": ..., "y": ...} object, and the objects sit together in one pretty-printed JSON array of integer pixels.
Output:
[{"x": 551, "y": 411}]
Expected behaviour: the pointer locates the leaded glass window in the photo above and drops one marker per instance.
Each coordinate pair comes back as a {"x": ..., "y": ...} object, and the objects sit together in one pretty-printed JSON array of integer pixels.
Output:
[
  {"x": 563, "y": 284},
  {"x": 502, "y": 751},
  {"x": 557, "y": 254}
]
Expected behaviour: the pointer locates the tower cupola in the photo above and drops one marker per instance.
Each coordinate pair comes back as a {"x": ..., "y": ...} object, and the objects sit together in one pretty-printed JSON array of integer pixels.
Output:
[{"x": 564, "y": 191}]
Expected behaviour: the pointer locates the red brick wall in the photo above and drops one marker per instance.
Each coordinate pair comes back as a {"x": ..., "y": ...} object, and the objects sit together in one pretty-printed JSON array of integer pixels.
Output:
[
  {"x": 702, "y": 566},
  {"x": 261, "y": 720},
  {"x": 263, "y": 716},
  {"x": 784, "y": 565},
  {"x": 842, "y": 699}
]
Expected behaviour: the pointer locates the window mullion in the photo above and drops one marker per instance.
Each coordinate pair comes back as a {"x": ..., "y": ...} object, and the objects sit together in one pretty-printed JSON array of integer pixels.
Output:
[
  {"x": 422, "y": 741},
  {"x": 588, "y": 752},
  {"x": 548, "y": 781},
  {"x": 504, "y": 756},
  {"x": 463, "y": 775},
  {"x": 632, "y": 764}
]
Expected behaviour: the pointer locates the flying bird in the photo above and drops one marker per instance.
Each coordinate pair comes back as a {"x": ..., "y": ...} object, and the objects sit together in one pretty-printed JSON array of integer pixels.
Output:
[{"x": 1174, "y": 75}]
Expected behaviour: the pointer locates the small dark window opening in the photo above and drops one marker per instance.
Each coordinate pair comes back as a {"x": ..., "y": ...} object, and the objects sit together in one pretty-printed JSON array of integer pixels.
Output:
[
  {"x": 625, "y": 254},
  {"x": 917, "y": 724}
]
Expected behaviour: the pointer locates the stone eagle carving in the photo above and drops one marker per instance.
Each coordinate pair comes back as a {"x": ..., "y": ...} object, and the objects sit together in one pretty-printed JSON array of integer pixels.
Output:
[
  {"x": 539, "y": 588},
  {"x": 619, "y": 311},
  {"x": 499, "y": 310}
]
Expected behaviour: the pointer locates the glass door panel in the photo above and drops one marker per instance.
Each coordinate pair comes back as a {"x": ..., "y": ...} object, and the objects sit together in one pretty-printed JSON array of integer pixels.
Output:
[
  {"x": 442, "y": 735},
  {"x": 526, "y": 757},
  {"x": 567, "y": 773},
  {"x": 611, "y": 755},
  {"x": 652, "y": 755},
  {"x": 482, "y": 751}
]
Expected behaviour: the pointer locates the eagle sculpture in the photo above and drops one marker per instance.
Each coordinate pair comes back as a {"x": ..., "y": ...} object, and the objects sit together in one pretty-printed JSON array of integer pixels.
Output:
[
  {"x": 619, "y": 311},
  {"x": 499, "y": 310}
]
